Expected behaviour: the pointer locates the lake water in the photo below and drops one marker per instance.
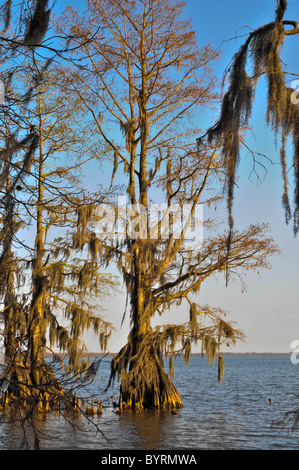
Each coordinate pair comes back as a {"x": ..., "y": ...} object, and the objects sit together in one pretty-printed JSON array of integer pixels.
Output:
[{"x": 235, "y": 415}]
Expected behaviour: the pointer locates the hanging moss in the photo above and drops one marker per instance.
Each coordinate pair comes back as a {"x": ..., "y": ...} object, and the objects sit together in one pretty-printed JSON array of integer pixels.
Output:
[
  {"x": 6, "y": 13},
  {"x": 37, "y": 23},
  {"x": 115, "y": 166},
  {"x": 221, "y": 367},
  {"x": 128, "y": 128},
  {"x": 210, "y": 347},
  {"x": 262, "y": 48}
]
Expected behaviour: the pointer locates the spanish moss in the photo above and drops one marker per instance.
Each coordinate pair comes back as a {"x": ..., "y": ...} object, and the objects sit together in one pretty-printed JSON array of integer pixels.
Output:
[{"x": 262, "y": 49}]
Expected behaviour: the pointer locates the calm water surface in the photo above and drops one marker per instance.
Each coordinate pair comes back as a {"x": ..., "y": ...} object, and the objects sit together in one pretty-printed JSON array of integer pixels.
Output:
[{"x": 233, "y": 415}]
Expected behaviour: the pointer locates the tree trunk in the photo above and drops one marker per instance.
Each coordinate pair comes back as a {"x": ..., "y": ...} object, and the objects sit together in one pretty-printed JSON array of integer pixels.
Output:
[
  {"x": 146, "y": 384},
  {"x": 37, "y": 322}
]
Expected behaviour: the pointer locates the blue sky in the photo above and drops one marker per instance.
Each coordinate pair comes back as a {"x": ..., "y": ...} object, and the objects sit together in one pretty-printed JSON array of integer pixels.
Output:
[{"x": 267, "y": 312}]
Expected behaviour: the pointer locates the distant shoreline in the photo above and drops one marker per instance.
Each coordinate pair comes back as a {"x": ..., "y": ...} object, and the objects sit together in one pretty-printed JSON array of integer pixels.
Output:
[{"x": 224, "y": 354}]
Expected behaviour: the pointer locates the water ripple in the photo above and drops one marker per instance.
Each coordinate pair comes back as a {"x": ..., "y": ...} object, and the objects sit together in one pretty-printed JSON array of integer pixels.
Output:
[{"x": 233, "y": 415}]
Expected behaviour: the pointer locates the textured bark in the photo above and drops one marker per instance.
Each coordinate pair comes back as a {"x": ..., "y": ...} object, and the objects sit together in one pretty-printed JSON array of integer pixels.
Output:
[{"x": 147, "y": 385}]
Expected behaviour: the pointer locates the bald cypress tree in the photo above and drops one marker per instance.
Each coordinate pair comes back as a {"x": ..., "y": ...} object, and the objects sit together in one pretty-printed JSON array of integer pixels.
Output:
[
  {"x": 144, "y": 73},
  {"x": 10, "y": 225},
  {"x": 61, "y": 285},
  {"x": 46, "y": 291}
]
